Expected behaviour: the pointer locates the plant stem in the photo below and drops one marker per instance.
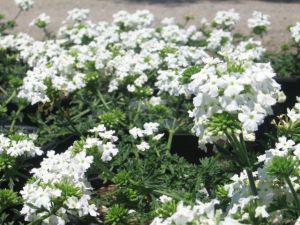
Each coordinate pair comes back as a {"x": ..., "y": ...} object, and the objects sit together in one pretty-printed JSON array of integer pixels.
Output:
[
  {"x": 18, "y": 14},
  {"x": 11, "y": 97},
  {"x": 251, "y": 182},
  {"x": 170, "y": 139},
  {"x": 81, "y": 114},
  {"x": 103, "y": 100},
  {"x": 71, "y": 124},
  {"x": 137, "y": 112},
  {"x": 288, "y": 181},
  {"x": 249, "y": 169},
  {"x": 241, "y": 151},
  {"x": 41, "y": 219},
  {"x": 67, "y": 116},
  {"x": 46, "y": 33},
  {"x": 157, "y": 152},
  {"x": 12, "y": 125},
  {"x": 4, "y": 92}
]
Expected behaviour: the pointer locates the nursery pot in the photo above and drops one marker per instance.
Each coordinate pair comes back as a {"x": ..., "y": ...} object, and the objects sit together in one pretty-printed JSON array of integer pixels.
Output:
[
  {"x": 291, "y": 88},
  {"x": 60, "y": 145},
  {"x": 186, "y": 145}
]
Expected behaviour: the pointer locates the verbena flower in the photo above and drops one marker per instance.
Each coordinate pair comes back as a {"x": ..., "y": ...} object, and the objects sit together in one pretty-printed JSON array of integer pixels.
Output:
[
  {"x": 24, "y": 5},
  {"x": 295, "y": 32},
  {"x": 259, "y": 22},
  {"x": 59, "y": 186},
  {"x": 41, "y": 21}
]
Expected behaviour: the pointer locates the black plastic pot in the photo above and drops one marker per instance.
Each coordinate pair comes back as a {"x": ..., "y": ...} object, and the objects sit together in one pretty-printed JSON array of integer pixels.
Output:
[
  {"x": 60, "y": 145},
  {"x": 186, "y": 145},
  {"x": 291, "y": 88}
]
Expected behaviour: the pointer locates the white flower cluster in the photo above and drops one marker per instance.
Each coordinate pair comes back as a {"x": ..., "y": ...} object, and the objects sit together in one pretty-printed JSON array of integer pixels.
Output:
[
  {"x": 294, "y": 113},
  {"x": 219, "y": 38},
  {"x": 150, "y": 131},
  {"x": 24, "y": 5},
  {"x": 59, "y": 186},
  {"x": 104, "y": 141},
  {"x": 226, "y": 19},
  {"x": 53, "y": 67},
  {"x": 19, "y": 145},
  {"x": 242, "y": 202},
  {"x": 138, "y": 20},
  {"x": 168, "y": 80},
  {"x": 129, "y": 52},
  {"x": 200, "y": 213},
  {"x": 259, "y": 19},
  {"x": 129, "y": 58},
  {"x": 295, "y": 31},
  {"x": 78, "y": 15},
  {"x": 241, "y": 88},
  {"x": 267, "y": 186},
  {"x": 41, "y": 21},
  {"x": 248, "y": 50}
]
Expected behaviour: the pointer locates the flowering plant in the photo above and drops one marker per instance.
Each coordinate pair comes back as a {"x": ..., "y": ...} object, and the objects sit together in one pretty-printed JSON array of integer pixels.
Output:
[{"x": 108, "y": 100}]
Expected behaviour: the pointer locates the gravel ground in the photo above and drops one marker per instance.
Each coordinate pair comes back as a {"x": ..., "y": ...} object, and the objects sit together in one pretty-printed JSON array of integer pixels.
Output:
[{"x": 282, "y": 13}]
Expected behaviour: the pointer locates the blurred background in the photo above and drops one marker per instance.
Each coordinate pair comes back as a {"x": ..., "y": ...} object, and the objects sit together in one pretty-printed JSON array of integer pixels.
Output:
[{"x": 282, "y": 12}]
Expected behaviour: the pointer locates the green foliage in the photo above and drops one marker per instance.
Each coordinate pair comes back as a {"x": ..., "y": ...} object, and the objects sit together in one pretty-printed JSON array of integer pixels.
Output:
[
  {"x": 281, "y": 167},
  {"x": 167, "y": 50},
  {"x": 288, "y": 128},
  {"x": 285, "y": 61},
  {"x": 7, "y": 162},
  {"x": 221, "y": 123},
  {"x": 167, "y": 209},
  {"x": 117, "y": 215},
  {"x": 6, "y": 25},
  {"x": 68, "y": 190},
  {"x": 214, "y": 172},
  {"x": 259, "y": 30},
  {"x": 113, "y": 118},
  {"x": 187, "y": 74},
  {"x": 8, "y": 198}
]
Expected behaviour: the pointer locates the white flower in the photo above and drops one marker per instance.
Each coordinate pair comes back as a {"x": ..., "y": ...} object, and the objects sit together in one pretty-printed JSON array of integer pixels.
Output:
[
  {"x": 99, "y": 129},
  {"x": 297, "y": 151},
  {"x": 158, "y": 137},
  {"x": 298, "y": 221},
  {"x": 55, "y": 170},
  {"x": 78, "y": 15},
  {"x": 295, "y": 31},
  {"x": 233, "y": 86},
  {"x": 131, "y": 88},
  {"x": 150, "y": 128},
  {"x": 258, "y": 19},
  {"x": 155, "y": 101},
  {"x": 168, "y": 21},
  {"x": 136, "y": 132},
  {"x": 250, "y": 119},
  {"x": 226, "y": 18},
  {"x": 261, "y": 211},
  {"x": 24, "y": 5},
  {"x": 284, "y": 144},
  {"x": 17, "y": 148},
  {"x": 218, "y": 38},
  {"x": 41, "y": 21},
  {"x": 143, "y": 146},
  {"x": 183, "y": 215},
  {"x": 164, "y": 199}
]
